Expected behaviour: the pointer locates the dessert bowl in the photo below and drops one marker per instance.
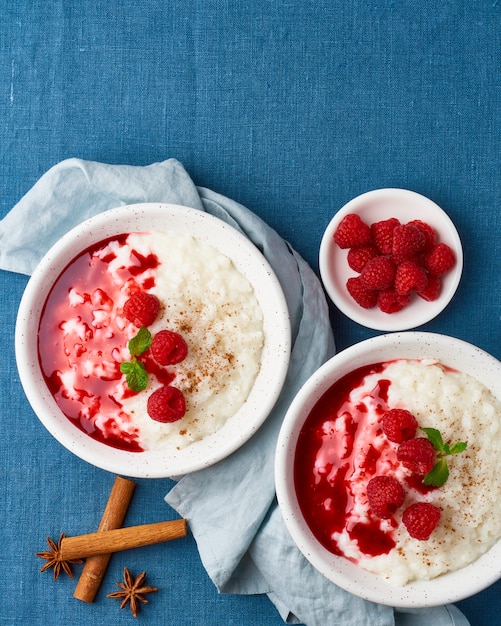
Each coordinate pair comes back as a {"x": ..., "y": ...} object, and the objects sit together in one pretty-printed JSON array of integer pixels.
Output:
[
  {"x": 245, "y": 257},
  {"x": 448, "y": 587},
  {"x": 373, "y": 206}
]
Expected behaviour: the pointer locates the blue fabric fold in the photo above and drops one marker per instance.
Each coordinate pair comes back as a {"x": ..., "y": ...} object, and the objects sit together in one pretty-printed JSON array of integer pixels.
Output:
[{"x": 231, "y": 507}]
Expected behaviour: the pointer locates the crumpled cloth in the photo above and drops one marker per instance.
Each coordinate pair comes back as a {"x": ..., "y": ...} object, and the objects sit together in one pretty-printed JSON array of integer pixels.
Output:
[{"x": 231, "y": 507}]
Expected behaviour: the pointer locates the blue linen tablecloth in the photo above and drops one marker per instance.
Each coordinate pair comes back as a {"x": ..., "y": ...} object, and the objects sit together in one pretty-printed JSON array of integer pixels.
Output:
[{"x": 289, "y": 110}]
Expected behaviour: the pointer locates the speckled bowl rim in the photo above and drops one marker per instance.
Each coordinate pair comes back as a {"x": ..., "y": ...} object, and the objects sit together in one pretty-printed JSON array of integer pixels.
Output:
[
  {"x": 448, "y": 588},
  {"x": 275, "y": 357}
]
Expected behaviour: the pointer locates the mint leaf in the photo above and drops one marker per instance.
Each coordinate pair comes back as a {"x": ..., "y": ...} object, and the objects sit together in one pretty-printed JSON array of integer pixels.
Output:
[
  {"x": 458, "y": 447},
  {"x": 140, "y": 343},
  {"x": 135, "y": 374},
  {"x": 438, "y": 476},
  {"x": 435, "y": 437},
  {"x": 440, "y": 472}
]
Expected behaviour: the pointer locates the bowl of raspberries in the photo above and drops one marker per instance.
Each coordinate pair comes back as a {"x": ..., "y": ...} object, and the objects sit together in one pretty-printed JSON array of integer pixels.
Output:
[{"x": 391, "y": 259}]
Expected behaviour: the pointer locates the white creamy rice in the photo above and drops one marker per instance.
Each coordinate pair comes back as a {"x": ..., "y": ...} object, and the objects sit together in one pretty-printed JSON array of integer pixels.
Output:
[
  {"x": 213, "y": 306},
  {"x": 462, "y": 409}
]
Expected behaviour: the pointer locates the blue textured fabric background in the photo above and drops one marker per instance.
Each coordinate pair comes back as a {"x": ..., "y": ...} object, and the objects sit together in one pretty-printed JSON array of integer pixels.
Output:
[{"x": 288, "y": 108}]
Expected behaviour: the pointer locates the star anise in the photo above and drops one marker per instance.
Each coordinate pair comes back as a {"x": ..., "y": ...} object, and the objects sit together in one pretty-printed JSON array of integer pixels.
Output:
[
  {"x": 132, "y": 591},
  {"x": 53, "y": 558}
]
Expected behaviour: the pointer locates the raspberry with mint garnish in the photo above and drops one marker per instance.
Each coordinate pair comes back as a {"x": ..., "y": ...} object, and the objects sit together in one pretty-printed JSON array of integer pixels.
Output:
[
  {"x": 168, "y": 347},
  {"x": 379, "y": 273},
  {"x": 399, "y": 425},
  {"x": 382, "y": 234},
  {"x": 421, "y": 519},
  {"x": 366, "y": 298},
  {"x": 389, "y": 301},
  {"x": 166, "y": 404},
  {"x": 385, "y": 495},
  {"x": 417, "y": 454},
  {"x": 409, "y": 277},
  {"x": 407, "y": 242},
  {"x": 352, "y": 232},
  {"x": 440, "y": 259},
  {"x": 142, "y": 309}
]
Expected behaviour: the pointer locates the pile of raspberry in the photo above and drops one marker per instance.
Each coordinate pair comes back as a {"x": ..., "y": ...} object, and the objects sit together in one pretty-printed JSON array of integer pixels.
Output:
[
  {"x": 386, "y": 495},
  {"x": 393, "y": 261},
  {"x": 167, "y": 403}
]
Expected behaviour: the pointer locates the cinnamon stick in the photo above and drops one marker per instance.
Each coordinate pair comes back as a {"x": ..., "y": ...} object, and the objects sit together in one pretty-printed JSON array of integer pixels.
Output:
[
  {"x": 119, "y": 539},
  {"x": 114, "y": 514}
]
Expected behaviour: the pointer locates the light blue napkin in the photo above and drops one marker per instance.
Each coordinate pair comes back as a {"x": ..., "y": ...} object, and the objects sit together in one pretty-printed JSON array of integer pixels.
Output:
[{"x": 231, "y": 507}]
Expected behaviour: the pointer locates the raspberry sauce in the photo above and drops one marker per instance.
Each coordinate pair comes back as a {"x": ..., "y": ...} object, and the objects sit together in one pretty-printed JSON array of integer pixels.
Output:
[
  {"x": 339, "y": 449},
  {"x": 83, "y": 336}
]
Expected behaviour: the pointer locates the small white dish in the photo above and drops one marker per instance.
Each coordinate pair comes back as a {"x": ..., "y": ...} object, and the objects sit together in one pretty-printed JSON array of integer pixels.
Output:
[
  {"x": 372, "y": 207},
  {"x": 275, "y": 356},
  {"x": 447, "y": 588}
]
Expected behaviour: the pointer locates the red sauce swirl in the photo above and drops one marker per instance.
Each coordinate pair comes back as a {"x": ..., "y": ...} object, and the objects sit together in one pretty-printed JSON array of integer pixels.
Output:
[
  {"x": 327, "y": 457},
  {"x": 82, "y": 335}
]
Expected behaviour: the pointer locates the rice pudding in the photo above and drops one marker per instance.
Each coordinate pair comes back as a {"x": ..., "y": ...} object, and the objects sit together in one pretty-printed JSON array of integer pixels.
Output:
[
  {"x": 342, "y": 446},
  {"x": 83, "y": 337}
]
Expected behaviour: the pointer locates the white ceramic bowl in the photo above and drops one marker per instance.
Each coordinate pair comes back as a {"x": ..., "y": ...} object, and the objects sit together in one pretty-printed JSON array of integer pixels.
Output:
[
  {"x": 372, "y": 207},
  {"x": 450, "y": 587},
  {"x": 275, "y": 357}
]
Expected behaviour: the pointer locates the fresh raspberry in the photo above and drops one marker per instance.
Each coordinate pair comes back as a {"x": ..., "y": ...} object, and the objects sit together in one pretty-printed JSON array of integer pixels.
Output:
[
  {"x": 407, "y": 242},
  {"x": 399, "y": 425},
  {"x": 379, "y": 273},
  {"x": 417, "y": 455},
  {"x": 385, "y": 494},
  {"x": 166, "y": 404},
  {"x": 142, "y": 309},
  {"x": 366, "y": 298},
  {"x": 382, "y": 234},
  {"x": 410, "y": 277},
  {"x": 432, "y": 290},
  {"x": 359, "y": 257},
  {"x": 428, "y": 231},
  {"x": 352, "y": 232},
  {"x": 389, "y": 301},
  {"x": 168, "y": 347},
  {"x": 421, "y": 519},
  {"x": 440, "y": 259}
]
